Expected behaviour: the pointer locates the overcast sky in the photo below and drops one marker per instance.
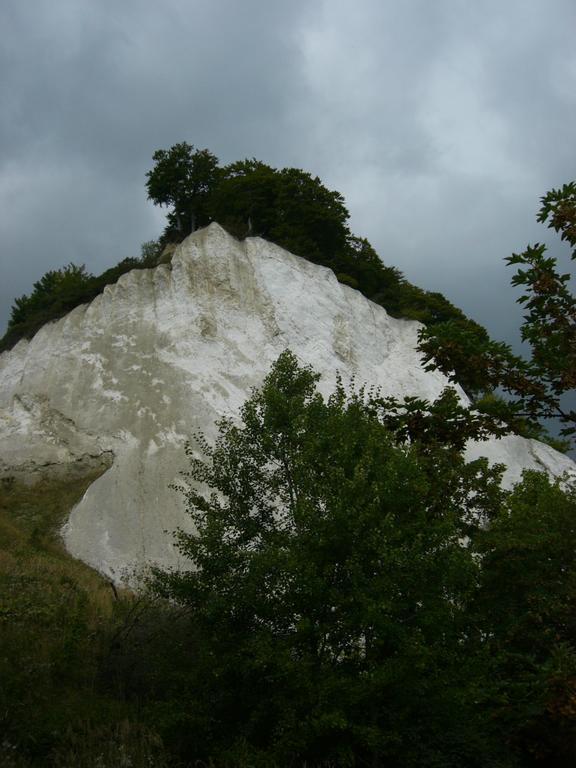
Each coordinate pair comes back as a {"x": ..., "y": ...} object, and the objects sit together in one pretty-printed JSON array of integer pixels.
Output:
[{"x": 442, "y": 122}]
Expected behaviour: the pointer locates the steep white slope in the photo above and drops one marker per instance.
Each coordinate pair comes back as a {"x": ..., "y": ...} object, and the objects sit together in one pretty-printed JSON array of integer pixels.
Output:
[{"x": 166, "y": 352}]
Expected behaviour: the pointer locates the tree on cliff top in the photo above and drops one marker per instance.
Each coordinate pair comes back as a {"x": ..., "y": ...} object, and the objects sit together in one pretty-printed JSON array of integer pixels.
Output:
[
  {"x": 288, "y": 206},
  {"x": 183, "y": 178}
]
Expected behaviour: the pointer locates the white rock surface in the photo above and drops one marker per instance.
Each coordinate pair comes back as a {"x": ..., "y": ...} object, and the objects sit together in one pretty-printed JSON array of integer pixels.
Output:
[{"x": 165, "y": 352}]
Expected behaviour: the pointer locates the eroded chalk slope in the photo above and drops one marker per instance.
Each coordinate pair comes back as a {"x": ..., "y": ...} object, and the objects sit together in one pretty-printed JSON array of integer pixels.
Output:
[{"x": 165, "y": 352}]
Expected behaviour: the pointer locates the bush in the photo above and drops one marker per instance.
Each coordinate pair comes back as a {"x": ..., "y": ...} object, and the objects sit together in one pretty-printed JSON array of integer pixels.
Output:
[
  {"x": 60, "y": 291},
  {"x": 330, "y": 586}
]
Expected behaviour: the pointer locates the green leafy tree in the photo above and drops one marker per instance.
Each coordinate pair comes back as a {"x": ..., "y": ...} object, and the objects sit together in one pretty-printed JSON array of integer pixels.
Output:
[
  {"x": 288, "y": 206},
  {"x": 360, "y": 261},
  {"x": 57, "y": 286},
  {"x": 61, "y": 290},
  {"x": 538, "y": 385},
  {"x": 311, "y": 219},
  {"x": 183, "y": 178},
  {"x": 55, "y": 294},
  {"x": 330, "y": 582},
  {"x": 526, "y": 604},
  {"x": 150, "y": 252},
  {"x": 245, "y": 199}
]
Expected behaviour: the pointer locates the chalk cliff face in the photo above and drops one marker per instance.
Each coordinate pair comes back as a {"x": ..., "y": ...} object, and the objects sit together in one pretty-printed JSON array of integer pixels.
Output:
[{"x": 124, "y": 381}]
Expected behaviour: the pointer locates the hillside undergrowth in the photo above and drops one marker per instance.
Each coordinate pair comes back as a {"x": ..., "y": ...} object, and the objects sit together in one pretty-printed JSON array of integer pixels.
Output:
[{"x": 59, "y": 620}]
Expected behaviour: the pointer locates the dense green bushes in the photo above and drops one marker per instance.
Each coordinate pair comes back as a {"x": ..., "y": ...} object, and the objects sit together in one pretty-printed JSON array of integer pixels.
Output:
[{"x": 352, "y": 607}]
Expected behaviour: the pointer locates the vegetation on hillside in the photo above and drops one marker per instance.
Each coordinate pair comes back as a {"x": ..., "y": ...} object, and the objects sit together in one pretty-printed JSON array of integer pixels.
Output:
[
  {"x": 296, "y": 211},
  {"x": 350, "y": 597},
  {"x": 57, "y": 619},
  {"x": 291, "y": 208},
  {"x": 288, "y": 206},
  {"x": 59, "y": 291},
  {"x": 361, "y": 595},
  {"x": 351, "y": 607}
]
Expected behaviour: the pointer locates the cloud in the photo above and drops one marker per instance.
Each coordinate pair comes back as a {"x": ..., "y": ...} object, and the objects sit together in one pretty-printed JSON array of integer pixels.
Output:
[{"x": 442, "y": 123}]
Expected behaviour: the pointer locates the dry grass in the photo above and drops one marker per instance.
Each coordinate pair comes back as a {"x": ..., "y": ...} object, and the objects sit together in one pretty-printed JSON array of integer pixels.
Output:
[{"x": 30, "y": 542}]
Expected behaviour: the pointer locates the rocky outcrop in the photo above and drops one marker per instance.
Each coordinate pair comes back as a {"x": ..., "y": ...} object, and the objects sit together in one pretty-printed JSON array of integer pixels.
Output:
[
  {"x": 40, "y": 442},
  {"x": 164, "y": 353}
]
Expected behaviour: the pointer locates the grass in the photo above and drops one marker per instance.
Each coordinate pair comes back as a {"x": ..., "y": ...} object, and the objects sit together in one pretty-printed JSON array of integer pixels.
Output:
[{"x": 57, "y": 616}]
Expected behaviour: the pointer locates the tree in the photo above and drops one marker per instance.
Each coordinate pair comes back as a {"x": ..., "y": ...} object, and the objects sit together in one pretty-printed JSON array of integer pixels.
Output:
[
  {"x": 526, "y": 603},
  {"x": 330, "y": 582},
  {"x": 538, "y": 386},
  {"x": 245, "y": 199},
  {"x": 311, "y": 219},
  {"x": 183, "y": 178},
  {"x": 61, "y": 290},
  {"x": 150, "y": 252},
  {"x": 56, "y": 293},
  {"x": 294, "y": 209},
  {"x": 288, "y": 206}
]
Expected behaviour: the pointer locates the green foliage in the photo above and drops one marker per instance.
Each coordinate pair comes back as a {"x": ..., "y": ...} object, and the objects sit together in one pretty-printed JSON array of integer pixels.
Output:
[
  {"x": 510, "y": 413},
  {"x": 369, "y": 597},
  {"x": 360, "y": 261},
  {"x": 289, "y": 207},
  {"x": 558, "y": 208},
  {"x": 55, "y": 294},
  {"x": 347, "y": 280},
  {"x": 150, "y": 252},
  {"x": 50, "y": 606},
  {"x": 538, "y": 385},
  {"x": 60, "y": 291},
  {"x": 183, "y": 178},
  {"x": 527, "y": 601},
  {"x": 121, "y": 745},
  {"x": 295, "y": 210},
  {"x": 61, "y": 287},
  {"x": 63, "y": 698},
  {"x": 465, "y": 353},
  {"x": 363, "y": 597},
  {"x": 245, "y": 198},
  {"x": 330, "y": 583}
]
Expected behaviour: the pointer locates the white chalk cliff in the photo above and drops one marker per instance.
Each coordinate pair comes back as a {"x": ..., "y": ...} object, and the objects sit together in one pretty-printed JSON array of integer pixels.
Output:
[{"x": 125, "y": 381}]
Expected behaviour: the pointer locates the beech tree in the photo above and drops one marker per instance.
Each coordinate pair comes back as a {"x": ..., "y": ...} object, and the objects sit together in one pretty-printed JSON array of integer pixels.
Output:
[
  {"x": 329, "y": 579},
  {"x": 288, "y": 206},
  {"x": 539, "y": 384},
  {"x": 526, "y": 603},
  {"x": 183, "y": 178}
]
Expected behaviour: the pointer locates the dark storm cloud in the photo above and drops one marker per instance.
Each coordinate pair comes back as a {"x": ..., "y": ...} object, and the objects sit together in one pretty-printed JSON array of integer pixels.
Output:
[
  {"x": 108, "y": 80},
  {"x": 442, "y": 123},
  {"x": 457, "y": 117},
  {"x": 90, "y": 90}
]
